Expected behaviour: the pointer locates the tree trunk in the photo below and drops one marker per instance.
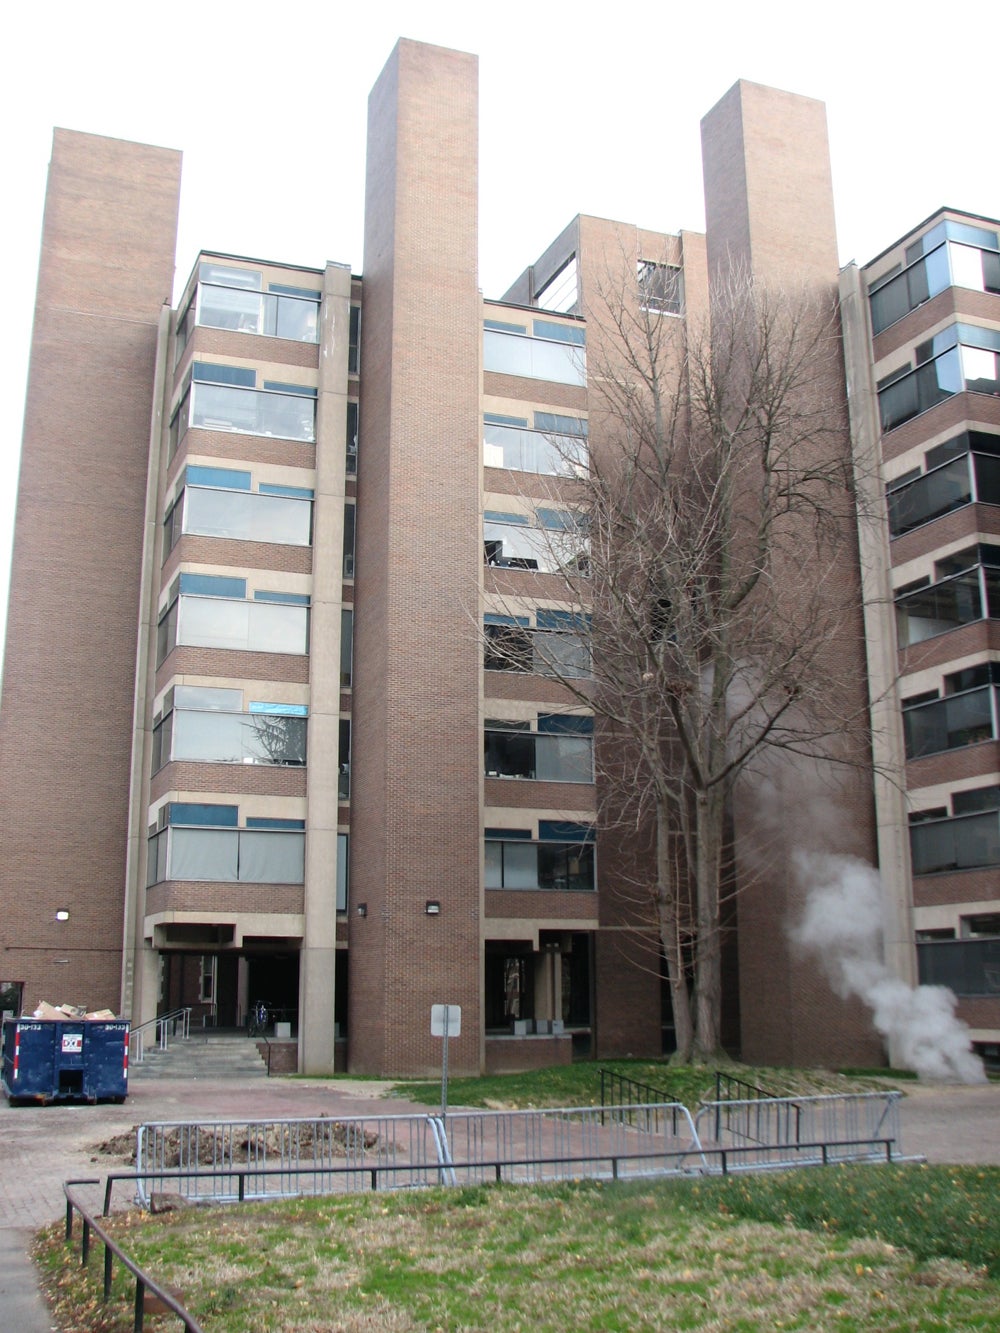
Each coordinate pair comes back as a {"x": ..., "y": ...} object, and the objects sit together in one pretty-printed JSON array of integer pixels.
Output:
[
  {"x": 670, "y": 937},
  {"x": 709, "y": 831}
]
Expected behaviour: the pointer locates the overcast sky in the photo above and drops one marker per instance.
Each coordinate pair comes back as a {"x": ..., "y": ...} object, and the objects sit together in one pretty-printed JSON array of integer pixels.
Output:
[{"x": 582, "y": 109}]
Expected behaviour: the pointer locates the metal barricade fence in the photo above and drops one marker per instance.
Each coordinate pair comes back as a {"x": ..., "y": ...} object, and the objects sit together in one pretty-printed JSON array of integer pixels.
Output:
[
  {"x": 327, "y": 1155},
  {"x": 851, "y": 1125},
  {"x": 226, "y": 1160}
]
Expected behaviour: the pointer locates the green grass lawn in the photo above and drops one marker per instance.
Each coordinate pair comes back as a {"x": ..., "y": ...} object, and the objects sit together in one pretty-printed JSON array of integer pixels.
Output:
[
  {"x": 579, "y": 1084},
  {"x": 862, "y": 1247}
]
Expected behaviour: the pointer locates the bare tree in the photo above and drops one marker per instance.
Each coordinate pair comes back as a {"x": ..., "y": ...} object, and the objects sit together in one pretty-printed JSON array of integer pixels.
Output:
[{"x": 719, "y": 582}]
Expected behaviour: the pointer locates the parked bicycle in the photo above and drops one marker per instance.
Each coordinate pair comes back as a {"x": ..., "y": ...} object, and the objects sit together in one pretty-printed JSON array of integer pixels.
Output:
[{"x": 258, "y": 1019}]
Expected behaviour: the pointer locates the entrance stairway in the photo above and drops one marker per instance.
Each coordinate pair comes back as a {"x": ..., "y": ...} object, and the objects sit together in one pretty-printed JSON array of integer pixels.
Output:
[{"x": 208, "y": 1056}]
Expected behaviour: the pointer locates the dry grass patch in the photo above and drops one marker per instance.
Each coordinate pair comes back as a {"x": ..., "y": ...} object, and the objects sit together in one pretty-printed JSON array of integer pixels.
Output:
[{"x": 588, "y": 1257}]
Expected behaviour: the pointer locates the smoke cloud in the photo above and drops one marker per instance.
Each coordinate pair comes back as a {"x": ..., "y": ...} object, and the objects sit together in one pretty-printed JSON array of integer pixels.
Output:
[{"x": 842, "y": 925}]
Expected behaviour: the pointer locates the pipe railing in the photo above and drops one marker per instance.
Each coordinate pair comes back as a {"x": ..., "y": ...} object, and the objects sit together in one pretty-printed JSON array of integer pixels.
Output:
[
  {"x": 112, "y": 1251},
  {"x": 164, "y": 1026}
]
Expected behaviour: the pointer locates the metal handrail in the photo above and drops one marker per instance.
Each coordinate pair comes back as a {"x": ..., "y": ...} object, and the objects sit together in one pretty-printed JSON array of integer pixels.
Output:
[
  {"x": 629, "y": 1091},
  {"x": 112, "y": 1251},
  {"x": 446, "y": 1169},
  {"x": 161, "y": 1024}
]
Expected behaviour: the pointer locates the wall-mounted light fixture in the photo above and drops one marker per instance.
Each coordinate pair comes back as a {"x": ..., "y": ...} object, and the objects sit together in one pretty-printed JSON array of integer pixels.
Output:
[
  {"x": 432, "y": 908},
  {"x": 362, "y": 909},
  {"x": 62, "y": 914}
]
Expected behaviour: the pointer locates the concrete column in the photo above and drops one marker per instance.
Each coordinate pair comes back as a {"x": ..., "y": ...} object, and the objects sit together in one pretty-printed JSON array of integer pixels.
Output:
[{"x": 317, "y": 964}]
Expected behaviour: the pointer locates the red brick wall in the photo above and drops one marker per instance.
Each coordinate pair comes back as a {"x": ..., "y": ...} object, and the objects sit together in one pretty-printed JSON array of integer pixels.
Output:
[
  {"x": 415, "y": 823},
  {"x": 106, "y": 269}
]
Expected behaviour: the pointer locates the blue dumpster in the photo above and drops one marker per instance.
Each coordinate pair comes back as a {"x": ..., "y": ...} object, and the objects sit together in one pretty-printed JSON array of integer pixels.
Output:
[{"x": 74, "y": 1060}]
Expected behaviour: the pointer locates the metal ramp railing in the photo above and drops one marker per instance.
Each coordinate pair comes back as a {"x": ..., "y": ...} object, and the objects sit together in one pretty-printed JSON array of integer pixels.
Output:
[{"x": 164, "y": 1026}]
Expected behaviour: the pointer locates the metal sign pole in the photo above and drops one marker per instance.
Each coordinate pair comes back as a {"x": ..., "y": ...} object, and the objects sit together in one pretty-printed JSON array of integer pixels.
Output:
[{"x": 444, "y": 1066}]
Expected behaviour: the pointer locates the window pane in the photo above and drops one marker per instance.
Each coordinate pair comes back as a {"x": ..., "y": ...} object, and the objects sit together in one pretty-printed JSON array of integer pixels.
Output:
[
  {"x": 346, "y": 647},
  {"x": 494, "y": 865},
  {"x": 342, "y": 863},
  {"x": 534, "y": 358},
  {"x": 208, "y": 622},
  {"x": 225, "y": 308},
  {"x": 937, "y": 493},
  {"x": 966, "y": 843},
  {"x": 248, "y": 516},
  {"x": 939, "y": 608},
  {"x": 564, "y": 759},
  {"x": 297, "y": 320},
  {"x": 274, "y": 628},
  {"x": 959, "y": 719},
  {"x": 520, "y": 865},
  {"x": 565, "y": 655},
  {"x": 272, "y": 858},
  {"x": 209, "y": 854},
  {"x": 987, "y": 479}
]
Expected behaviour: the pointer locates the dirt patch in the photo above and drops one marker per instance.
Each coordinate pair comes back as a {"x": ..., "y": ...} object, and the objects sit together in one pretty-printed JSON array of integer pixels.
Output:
[{"x": 208, "y": 1145}]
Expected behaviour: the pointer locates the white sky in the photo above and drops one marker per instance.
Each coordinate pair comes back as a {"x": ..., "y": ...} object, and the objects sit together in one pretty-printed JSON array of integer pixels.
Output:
[{"x": 583, "y": 108}]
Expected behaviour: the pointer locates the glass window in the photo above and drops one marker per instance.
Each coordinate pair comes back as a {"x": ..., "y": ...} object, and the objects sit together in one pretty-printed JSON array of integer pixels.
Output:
[
  {"x": 277, "y": 313},
  {"x": 554, "y": 866},
  {"x": 253, "y": 411},
  {"x": 967, "y": 842},
  {"x": 227, "y": 856},
  {"x": 346, "y": 648},
  {"x": 238, "y": 738},
  {"x": 352, "y": 438},
  {"x": 264, "y": 627},
  {"x": 230, "y": 277},
  {"x": 354, "y": 341},
  {"x": 949, "y": 723},
  {"x": 547, "y": 452},
  {"x": 349, "y": 515},
  {"x": 248, "y": 516},
  {"x": 344, "y": 761},
  {"x": 557, "y": 546},
  {"x": 939, "y": 607},
  {"x": 343, "y": 849},
  {"x": 534, "y": 358},
  {"x": 213, "y": 585},
  {"x": 660, "y": 288},
  {"x": 936, "y": 493}
]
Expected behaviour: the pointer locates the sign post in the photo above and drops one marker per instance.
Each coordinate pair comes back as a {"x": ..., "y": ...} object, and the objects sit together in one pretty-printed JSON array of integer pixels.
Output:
[{"x": 446, "y": 1021}]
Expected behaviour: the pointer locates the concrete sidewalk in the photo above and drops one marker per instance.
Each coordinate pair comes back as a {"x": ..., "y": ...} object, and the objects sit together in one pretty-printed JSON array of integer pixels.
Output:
[{"x": 40, "y": 1147}]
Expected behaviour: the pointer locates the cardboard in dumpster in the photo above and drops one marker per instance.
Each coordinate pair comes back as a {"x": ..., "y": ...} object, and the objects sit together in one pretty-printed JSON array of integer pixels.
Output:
[{"x": 59, "y": 1013}]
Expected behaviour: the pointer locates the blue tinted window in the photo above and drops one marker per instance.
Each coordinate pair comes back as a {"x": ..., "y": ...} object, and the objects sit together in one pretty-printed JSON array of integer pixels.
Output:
[
  {"x": 509, "y": 833},
  {"x": 495, "y": 516},
  {"x": 287, "y": 598},
  {"x": 213, "y": 585},
  {"x": 276, "y": 823},
  {"x": 294, "y": 492},
  {"x": 563, "y": 333},
  {"x": 216, "y": 816},
  {"x": 565, "y": 724},
  {"x": 501, "y": 327},
  {"x": 224, "y": 477},
  {"x": 560, "y": 425},
  {"x": 303, "y": 390},
  {"x": 212, "y": 374},
  {"x": 280, "y": 710},
  {"x": 305, "y": 292},
  {"x": 555, "y": 830},
  {"x": 498, "y": 419}
]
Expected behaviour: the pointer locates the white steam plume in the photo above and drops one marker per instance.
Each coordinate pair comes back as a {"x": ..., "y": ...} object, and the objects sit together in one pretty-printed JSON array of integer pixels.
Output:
[{"x": 842, "y": 924}]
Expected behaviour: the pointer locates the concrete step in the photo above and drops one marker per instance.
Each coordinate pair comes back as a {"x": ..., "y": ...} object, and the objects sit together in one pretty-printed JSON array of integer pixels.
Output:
[{"x": 201, "y": 1057}]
